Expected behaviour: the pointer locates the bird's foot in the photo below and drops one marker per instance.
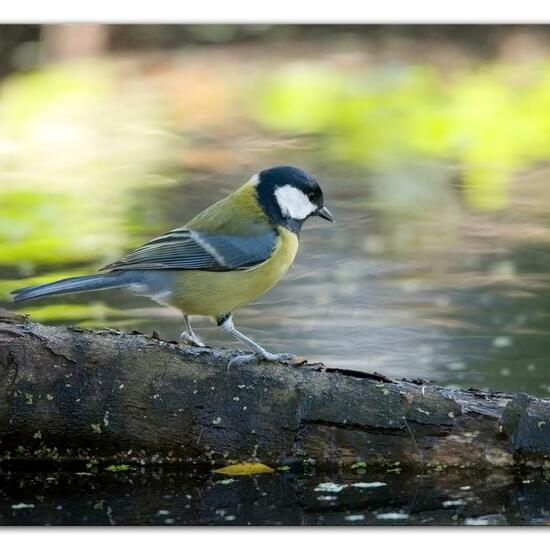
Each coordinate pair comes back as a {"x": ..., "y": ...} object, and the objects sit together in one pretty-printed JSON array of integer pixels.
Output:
[
  {"x": 251, "y": 358},
  {"x": 191, "y": 339}
]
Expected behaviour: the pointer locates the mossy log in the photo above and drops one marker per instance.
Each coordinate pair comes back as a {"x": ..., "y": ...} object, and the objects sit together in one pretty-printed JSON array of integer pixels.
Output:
[{"x": 72, "y": 394}]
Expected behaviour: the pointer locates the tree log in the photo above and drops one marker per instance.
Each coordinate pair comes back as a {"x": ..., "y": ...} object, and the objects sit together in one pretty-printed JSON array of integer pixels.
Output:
[{"x": 72, "y": 394}]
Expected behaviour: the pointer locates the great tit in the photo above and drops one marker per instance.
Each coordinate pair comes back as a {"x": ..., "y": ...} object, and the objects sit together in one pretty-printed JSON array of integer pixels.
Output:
[{"x": 225, "y": 257}]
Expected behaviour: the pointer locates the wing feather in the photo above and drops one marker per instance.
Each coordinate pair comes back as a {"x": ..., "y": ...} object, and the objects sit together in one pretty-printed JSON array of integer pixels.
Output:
[{"x": 187, "y": 249}]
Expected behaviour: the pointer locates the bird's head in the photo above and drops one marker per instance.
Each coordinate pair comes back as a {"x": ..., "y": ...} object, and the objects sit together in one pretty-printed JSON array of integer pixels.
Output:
[{"x": 289, "y": 196}]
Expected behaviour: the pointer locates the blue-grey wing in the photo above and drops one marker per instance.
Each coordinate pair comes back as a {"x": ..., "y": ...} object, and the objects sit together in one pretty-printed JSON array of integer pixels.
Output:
[{"x": 188, "y": 249}]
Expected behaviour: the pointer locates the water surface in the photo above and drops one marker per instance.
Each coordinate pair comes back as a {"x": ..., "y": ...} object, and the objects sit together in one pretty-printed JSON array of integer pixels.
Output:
[{"x": 172, "y": 497}]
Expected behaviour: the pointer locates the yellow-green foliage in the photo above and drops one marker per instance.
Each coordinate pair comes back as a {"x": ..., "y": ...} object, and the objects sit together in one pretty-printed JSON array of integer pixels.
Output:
[
  {"x": 74, "y": 144},
  {"x": 493, "y": 119}
]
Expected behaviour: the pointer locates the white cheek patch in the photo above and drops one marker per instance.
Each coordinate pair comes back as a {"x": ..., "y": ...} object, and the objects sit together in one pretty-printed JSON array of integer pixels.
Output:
[{"x": 294, "y": 203}]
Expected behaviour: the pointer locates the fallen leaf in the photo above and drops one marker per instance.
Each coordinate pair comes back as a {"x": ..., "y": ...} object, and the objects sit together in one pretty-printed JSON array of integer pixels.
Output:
[{"x": 245, "y": 469}]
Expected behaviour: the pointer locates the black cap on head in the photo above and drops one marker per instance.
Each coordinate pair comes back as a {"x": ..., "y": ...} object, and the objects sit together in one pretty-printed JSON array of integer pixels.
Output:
[{"x": 289, "y": 196}]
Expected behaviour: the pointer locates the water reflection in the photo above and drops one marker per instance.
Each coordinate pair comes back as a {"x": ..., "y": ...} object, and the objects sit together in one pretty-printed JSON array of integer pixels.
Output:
[{"x": 172, "y": 497}]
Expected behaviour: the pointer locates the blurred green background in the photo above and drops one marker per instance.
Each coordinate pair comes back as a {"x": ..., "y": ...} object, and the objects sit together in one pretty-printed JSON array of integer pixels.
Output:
[{"x": 432, "y": 144}]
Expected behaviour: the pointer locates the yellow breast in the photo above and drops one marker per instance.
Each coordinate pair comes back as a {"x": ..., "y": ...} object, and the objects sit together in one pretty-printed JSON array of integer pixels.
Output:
[{"x": 215, "y": 293}]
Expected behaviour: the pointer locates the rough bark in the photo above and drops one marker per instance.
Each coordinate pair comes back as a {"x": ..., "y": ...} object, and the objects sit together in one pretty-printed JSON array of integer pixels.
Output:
[{"x": 74, "y": 394}]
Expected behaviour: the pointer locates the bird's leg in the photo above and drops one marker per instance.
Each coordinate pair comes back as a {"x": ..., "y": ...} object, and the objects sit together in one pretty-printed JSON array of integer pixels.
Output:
[
  {"x": 226, "y": 323},
  {"x": 188, "y": 336}
]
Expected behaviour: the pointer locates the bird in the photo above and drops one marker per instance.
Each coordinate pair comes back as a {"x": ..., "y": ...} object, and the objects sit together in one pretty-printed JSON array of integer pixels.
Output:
[{"x": 227, "y": 256}]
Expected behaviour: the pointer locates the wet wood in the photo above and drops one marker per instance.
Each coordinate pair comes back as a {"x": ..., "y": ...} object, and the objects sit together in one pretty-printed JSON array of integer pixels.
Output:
[{"x": 72, "y": 394}]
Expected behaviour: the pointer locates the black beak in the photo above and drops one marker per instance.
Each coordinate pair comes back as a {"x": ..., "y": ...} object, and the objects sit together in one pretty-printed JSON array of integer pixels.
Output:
[{"x": 325, "y": 214}]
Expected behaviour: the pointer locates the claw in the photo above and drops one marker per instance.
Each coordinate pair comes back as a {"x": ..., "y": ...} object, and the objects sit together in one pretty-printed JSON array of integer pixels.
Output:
[{"x": 191, "y": 340}]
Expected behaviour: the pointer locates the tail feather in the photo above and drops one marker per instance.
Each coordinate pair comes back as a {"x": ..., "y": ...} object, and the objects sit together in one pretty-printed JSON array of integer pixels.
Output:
[{"x": 72, "y": 284}]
